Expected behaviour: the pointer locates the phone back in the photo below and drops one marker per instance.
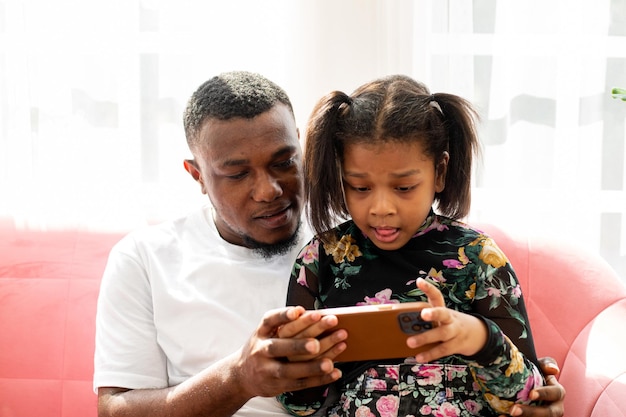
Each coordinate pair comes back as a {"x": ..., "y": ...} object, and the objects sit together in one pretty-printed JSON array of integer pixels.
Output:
[{"x": 379, "y": 331}]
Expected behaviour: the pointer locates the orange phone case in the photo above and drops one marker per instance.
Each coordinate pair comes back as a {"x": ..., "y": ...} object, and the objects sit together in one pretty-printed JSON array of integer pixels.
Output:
[{"x": 379, "y": 331}]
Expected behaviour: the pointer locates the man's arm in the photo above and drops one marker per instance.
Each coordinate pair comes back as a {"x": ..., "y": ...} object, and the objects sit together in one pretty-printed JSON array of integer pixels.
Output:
[
  {"x": 552, "y": 394},
  {"x": 257, "y": 369}
]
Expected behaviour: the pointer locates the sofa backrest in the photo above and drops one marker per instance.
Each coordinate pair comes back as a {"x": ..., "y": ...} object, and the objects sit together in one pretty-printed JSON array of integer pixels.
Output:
[{"x": 49, "y": 284}]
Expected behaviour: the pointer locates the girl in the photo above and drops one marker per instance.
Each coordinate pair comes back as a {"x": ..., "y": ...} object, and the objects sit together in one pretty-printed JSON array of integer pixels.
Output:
[{"x": 383, "y": 157}]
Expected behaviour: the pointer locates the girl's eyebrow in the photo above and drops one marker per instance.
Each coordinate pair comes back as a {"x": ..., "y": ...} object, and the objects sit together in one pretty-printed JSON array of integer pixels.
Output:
[
  {"x": 355, "y": 174},
  {"x": 406, "y": 173},
  {"x": 402, "y": 174}
]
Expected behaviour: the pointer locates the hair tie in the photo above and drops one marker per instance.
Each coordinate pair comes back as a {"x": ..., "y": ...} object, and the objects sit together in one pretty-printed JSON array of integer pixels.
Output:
[{"x": 433, "y": 103}]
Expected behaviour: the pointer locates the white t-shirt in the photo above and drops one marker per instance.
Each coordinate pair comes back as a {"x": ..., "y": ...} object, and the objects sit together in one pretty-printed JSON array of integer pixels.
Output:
[{"x": 176, "y": 297}]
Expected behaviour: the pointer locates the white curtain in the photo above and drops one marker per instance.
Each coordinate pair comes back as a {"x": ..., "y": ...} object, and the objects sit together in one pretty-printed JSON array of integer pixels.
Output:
[{"x": 92, "y": 93}]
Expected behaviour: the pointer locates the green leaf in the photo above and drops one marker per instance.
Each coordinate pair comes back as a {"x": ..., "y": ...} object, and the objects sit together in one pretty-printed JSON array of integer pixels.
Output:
[{"x": 619, "y": 93}]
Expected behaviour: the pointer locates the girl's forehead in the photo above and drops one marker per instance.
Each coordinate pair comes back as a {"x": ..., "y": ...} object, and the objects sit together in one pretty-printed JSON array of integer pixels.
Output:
[
  {"x": 413, "y": 147},
  {"x": 385, "y": 157}
]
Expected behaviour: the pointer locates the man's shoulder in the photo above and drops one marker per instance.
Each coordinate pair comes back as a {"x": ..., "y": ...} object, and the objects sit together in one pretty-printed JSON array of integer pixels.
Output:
[{"x": 167, "y": 232}]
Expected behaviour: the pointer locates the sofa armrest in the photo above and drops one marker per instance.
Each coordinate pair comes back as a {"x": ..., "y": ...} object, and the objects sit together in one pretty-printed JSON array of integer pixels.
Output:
[{"x": 594, "y": 370}]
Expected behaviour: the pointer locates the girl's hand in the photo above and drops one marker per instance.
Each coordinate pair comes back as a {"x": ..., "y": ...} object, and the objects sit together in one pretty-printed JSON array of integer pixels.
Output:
[
  {"x": 457, "y": 333},
  {"x": 311, "y": 325}
]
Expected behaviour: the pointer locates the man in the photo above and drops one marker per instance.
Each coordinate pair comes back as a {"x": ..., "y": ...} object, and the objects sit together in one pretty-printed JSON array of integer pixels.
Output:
[{"x": 178, "y": 330}]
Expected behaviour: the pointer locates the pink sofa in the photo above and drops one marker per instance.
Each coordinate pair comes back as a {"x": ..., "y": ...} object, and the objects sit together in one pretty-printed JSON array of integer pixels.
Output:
[
  {"x": 49, "y": 284},
  {"x": 577, "y": 309},
  {"x": 48, "y": 288}
]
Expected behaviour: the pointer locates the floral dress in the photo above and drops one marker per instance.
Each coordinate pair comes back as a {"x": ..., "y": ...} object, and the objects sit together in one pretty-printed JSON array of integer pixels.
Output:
[{"x": 474, "y": 277}]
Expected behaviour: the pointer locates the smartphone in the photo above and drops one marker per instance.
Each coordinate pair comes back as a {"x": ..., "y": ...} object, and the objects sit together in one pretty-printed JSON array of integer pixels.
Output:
[{"x": 379, "y": 331}]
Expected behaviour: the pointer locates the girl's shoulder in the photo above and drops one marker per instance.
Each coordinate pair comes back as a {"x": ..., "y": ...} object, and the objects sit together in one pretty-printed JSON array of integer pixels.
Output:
[
  {"x": 346, "y": 228},
  {"x": 478, "y": 246},
  {"x": 446, "y": 226}
]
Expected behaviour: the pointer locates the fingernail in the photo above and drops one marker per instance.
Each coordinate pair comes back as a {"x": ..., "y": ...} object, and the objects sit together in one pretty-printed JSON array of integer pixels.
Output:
[
  {"x": 515, "y": 411},
  {"x": 312, "y": 346},
  {"x": 554, "y": 366}
]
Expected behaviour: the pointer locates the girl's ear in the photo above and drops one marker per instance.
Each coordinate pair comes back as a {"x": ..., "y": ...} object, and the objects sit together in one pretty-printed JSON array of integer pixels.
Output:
[
  {"x": 440, "y": 172},
  {"x": 192, "y": 168}
]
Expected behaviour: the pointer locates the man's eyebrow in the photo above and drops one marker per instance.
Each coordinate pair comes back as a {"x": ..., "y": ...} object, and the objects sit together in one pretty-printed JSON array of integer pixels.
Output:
[
  {"x": 234, "y": 162},
  {"x": 287, "y": 150}
]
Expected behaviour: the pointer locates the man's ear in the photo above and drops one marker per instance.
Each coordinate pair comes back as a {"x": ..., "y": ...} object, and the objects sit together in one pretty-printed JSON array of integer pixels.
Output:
[
  {"x": 192, "y": 168},
  {"x": 440, "y": 172}
]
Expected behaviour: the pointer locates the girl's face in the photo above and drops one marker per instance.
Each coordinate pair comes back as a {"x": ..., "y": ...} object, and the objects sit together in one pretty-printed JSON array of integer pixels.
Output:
[{"x": 390, "y": 188}]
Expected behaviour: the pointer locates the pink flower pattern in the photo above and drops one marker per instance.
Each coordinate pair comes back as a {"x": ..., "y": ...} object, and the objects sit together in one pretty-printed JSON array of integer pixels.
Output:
[
  {"x": 302, "y": 278},
  {"x": 310, "y": 253},
  {"x": 387, "y": 406},
  {"x": 386, "y": 390},
  {"x": 447, "y": 410},
  {"x": 381, "y": 297}
]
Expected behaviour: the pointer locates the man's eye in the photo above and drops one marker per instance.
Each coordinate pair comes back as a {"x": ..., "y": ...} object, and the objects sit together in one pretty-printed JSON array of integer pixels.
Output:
[
  {"x": 285, "y": 164},
  {"x": 237, "y": 176}
]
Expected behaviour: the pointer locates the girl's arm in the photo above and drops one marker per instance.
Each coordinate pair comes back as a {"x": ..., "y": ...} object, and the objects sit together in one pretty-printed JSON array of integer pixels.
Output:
[
  {"x": 302, "y": 291},
  {"x": 502, "y": 372}
]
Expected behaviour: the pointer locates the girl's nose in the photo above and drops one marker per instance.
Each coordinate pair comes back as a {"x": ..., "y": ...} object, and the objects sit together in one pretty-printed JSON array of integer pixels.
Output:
[{"x": 382, "y": 205}]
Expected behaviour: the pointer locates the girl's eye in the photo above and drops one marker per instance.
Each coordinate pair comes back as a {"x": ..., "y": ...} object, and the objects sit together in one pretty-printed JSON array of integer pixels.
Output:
[
  {"x": 357, "y": 189},
  {"x": 405, "y": 189}
]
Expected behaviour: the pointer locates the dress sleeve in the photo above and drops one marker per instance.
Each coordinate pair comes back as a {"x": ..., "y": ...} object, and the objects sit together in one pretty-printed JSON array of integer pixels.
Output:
[
  {"x": 303, "y": 287},
  {"x": 304, "y": 291},
  {"x": 502, "y": 372},
  {"x": 506, "y": 368}
]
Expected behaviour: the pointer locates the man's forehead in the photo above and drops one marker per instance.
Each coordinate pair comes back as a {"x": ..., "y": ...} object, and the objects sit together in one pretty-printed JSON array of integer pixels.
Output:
[{"x": 277, "y": 121}]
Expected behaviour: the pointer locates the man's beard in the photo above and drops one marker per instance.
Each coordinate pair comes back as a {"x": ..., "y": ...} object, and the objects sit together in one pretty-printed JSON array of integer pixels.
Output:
[{"x": 270, "y": 250}]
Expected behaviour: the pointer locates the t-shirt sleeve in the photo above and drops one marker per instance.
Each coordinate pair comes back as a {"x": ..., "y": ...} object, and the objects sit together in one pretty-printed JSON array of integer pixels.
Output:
[{"x": 127, "y": 353}]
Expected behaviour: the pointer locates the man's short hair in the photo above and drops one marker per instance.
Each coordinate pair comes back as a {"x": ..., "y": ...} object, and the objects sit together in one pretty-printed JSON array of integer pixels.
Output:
[{"x": 229, "y": 95}]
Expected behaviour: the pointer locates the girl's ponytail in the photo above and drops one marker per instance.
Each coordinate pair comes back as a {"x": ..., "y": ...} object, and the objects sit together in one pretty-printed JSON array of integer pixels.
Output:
[
  {"x": 323, "y": 183},
  {"x": 460, "y": 119}
]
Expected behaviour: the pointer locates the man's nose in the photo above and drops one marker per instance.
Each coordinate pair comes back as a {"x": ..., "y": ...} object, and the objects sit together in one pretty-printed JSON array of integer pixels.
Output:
[{"x": 266, "y": 188}]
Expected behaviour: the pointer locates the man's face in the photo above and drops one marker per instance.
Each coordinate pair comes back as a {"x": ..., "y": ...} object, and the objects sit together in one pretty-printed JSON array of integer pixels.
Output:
[{"x": 251, "y": 171}]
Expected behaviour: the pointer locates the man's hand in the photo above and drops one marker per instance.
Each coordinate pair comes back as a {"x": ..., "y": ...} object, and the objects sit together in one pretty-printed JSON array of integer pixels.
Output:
[
  {"x": 263, "y": 368},
  {"x": 259, "y": 368},
  {"x": 311, "y": 324},
  {"x": 552, "y": 394}
]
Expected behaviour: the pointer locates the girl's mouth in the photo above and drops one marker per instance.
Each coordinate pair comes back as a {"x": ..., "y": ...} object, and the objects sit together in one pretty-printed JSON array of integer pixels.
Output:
[{"x": 386, "y": 234}]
